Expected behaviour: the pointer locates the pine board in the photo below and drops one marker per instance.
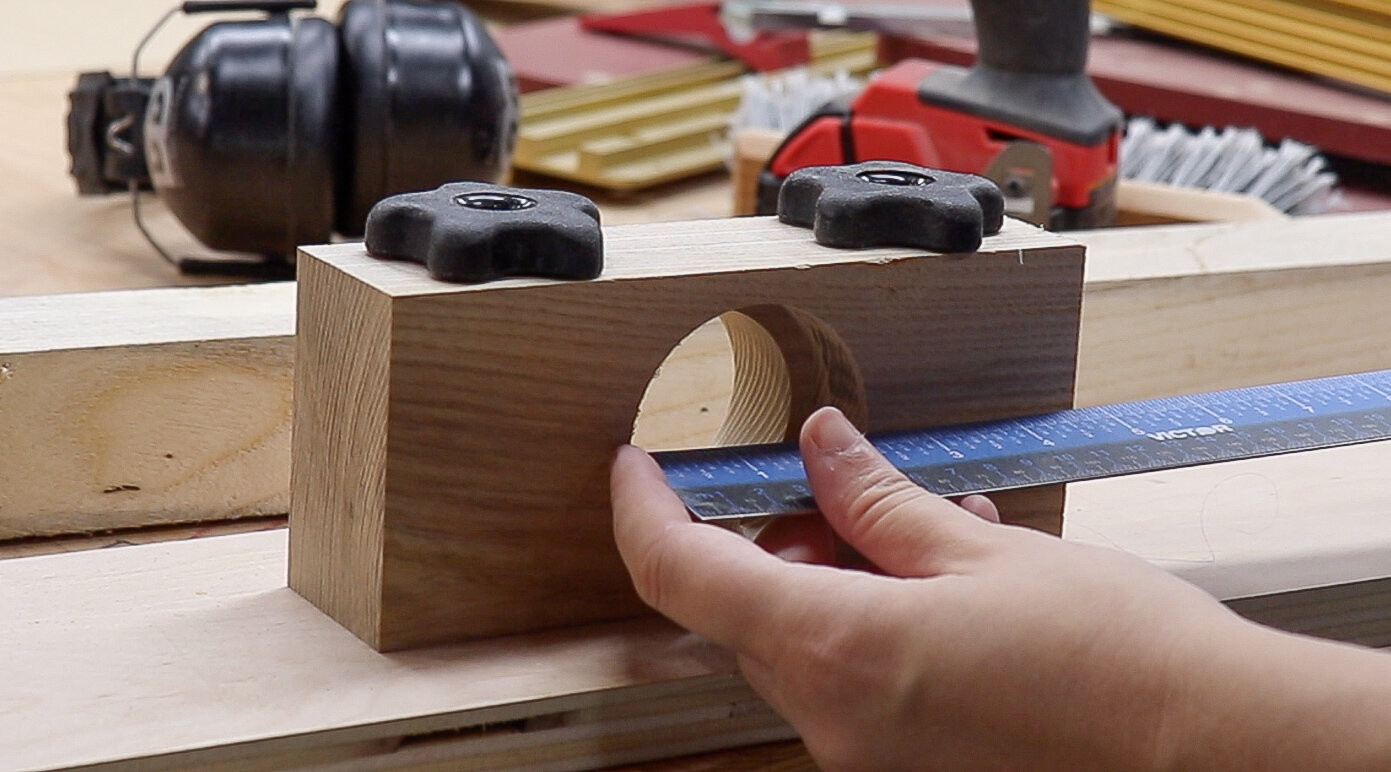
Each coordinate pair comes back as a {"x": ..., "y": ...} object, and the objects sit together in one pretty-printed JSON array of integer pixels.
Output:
[
  {"x": 147, "y": 407},
  {"x": 1178, "y": 309},
  {"x": 1262, "y": 294},
  {"x": 1326, "y": 530},
  {"x": 1254, "y": 527},
  {"x": 192, "y": 653}
]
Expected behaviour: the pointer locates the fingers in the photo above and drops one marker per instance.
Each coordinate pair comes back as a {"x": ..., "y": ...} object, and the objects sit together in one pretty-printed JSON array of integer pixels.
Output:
[
  {"x": 800, "y": 539},
  {"x": 902, "y": 528},
  {"x": 707, "y": 579},
  {"x": 981, "y": 507}
]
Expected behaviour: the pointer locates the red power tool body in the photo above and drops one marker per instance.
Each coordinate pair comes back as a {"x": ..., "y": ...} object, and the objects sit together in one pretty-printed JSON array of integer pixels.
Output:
[{"x": 1027, "y": 92}]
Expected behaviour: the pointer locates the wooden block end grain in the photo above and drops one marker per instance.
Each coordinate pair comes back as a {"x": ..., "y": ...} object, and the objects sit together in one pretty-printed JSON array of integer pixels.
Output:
[
  {"x": 452, "y": 442},
  {"x": 338, "y": 481}
]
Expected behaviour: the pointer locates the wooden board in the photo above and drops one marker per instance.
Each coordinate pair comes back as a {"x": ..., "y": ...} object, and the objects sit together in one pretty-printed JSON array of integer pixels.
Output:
[
  {"x": 1326, "y": 529},
  {"x": 1260, "y": 293},
  {"x": 185, "y": 654},
  {"x": 195, "y": 653},
  {"x": 145, "y": 407},
  {"x": 454, "y": 443},
  {"x": 1248, "y": 303},
  {"x": 1250, "y": 528}
]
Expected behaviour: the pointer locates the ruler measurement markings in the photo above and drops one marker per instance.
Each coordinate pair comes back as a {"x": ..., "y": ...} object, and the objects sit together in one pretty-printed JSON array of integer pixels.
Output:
[
  {"x": 997, "y": 455},
  {"x": 1308, "y": 408},
  {"x": 1205, "y": 409},
  {"x": 755, "y": 469},
  {"x": 1384, "y": 394},
  {"x": 1122, "y": 421},
  {"x": 1042, "y": 440}
]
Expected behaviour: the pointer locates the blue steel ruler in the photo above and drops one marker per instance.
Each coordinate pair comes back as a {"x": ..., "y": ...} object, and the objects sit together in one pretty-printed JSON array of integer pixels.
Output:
[{"x": 1066, "y": 446}]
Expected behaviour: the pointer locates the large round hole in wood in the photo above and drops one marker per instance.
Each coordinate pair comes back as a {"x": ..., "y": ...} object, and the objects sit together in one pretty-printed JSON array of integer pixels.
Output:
[{"x": 747, "y": 376}]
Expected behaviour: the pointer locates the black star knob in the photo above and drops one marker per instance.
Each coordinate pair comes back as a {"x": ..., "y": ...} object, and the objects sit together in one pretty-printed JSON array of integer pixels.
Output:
[
  {"x": 475, "y": 232},
  {"x": 887, "y": 203}
]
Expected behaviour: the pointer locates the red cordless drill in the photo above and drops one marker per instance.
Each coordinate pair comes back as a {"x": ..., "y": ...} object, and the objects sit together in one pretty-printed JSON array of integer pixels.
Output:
[{"x": 1026, "y": 115}]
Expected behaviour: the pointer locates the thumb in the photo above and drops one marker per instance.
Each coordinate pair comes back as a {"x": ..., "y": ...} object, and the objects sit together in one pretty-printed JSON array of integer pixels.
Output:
[{"x": 902, "y": 528}]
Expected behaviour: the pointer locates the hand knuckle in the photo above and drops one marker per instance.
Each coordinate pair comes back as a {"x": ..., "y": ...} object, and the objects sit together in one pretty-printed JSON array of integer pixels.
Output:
[
  {"x": 883, "y": 500},
  {"x": 651, "y": 572}
]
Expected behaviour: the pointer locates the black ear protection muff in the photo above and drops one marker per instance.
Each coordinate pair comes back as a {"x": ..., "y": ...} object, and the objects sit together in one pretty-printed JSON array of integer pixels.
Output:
[{"x": 266, "y": 134}]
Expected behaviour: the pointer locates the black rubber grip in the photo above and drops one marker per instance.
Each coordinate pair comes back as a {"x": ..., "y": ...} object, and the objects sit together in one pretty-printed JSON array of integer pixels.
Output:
[
  {"x": 1033, "y": 35},
  {"x": 475, "y": 232},
  {"x": 888, "y": 203},
  {"x": 1031, "y": 72}
]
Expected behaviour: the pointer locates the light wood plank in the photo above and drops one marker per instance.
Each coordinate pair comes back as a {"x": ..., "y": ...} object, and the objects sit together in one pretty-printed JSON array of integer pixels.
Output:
[
  {"x": 194, "y": 652},
  {"x": 548, "y": 103},
  {"x": 1244, "y": 300},
  {"x": 142, "y": 408},
  {"x": 110, "y": 320},
  {"x": 1186, "y": 308},
  {"x": 1250, "y": 527},
  {"x": 1148, "y": 203},
  {"x": 1325, "y": 529},
  {"x": 540, "y": 138}
]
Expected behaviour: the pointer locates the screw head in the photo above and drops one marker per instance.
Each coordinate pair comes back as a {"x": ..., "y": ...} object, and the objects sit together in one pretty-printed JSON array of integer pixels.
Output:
[
  {"x": 495, "y": 201},
  {"x": 894, "y": 177}
]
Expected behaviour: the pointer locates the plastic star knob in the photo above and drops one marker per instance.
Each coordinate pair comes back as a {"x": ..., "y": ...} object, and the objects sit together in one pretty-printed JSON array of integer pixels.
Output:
[
  {"x": 476, "y": 232},
  {"x": 887, "y": 203}
]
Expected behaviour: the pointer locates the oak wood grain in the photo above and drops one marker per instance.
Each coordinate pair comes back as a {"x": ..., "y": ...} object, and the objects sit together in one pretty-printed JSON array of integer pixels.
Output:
[{"x": 504, "y": 401}]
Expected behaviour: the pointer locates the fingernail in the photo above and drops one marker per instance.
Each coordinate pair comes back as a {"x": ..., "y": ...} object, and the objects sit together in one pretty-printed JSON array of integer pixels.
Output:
[{"x": 832, "y": 432}]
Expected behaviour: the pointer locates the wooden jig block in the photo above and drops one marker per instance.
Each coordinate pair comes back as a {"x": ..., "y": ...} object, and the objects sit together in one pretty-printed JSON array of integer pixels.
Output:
[{"x": 452, "y": 442}]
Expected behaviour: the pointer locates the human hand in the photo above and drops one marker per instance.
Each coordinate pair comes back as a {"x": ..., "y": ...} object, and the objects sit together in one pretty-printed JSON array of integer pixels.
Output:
[{"x": 978, "y": 644}]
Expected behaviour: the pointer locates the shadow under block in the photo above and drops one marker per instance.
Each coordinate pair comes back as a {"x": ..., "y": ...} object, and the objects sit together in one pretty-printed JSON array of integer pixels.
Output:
[{"x": 452, "y": 442}]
